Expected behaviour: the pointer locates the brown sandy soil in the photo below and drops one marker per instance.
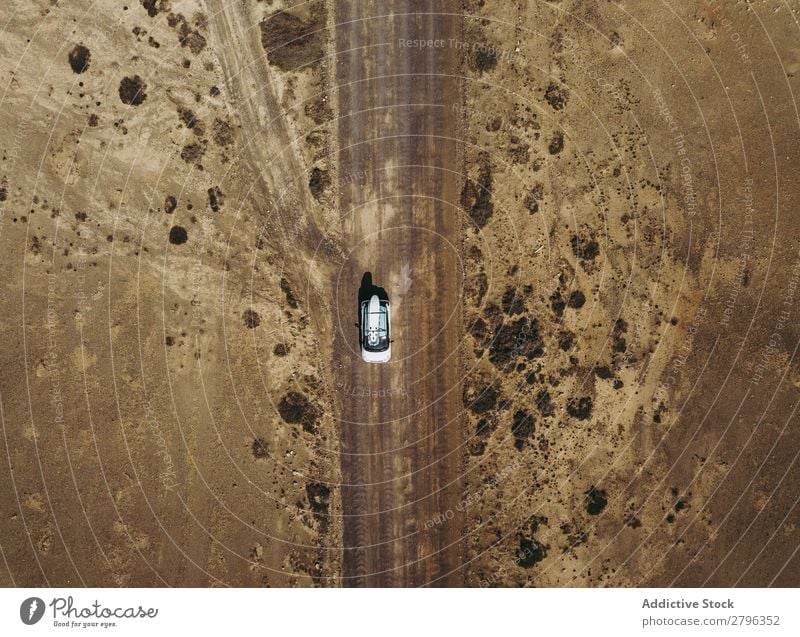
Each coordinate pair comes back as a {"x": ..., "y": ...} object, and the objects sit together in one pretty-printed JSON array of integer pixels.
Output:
[
  {"x": 639, "y": 160},
  {"x": 164, "y": 419},
  {"x": 584, "y": 215}
]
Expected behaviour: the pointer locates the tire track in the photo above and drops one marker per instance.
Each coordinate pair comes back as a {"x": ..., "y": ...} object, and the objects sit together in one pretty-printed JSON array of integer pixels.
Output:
[{"x": 398, "y": 452}]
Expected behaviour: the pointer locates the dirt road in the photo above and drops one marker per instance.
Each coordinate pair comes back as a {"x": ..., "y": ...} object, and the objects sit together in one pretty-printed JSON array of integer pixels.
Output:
[
  {"x": 399, "y": 178},
  {"x": 270, "y": 147}
]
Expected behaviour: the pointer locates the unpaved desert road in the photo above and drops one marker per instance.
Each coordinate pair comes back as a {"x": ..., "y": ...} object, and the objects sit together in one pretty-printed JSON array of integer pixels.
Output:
[{"x": 398, "y": 170}]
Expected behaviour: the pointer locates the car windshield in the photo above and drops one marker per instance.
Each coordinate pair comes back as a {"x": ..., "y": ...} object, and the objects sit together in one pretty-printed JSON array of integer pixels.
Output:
[{"x": 375, "y": 328}]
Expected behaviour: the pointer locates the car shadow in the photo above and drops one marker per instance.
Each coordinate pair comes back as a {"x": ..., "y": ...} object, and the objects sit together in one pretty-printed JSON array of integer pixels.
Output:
[
  {"x": 368, "y": 288},
  {"x": 365, "y": 292}
]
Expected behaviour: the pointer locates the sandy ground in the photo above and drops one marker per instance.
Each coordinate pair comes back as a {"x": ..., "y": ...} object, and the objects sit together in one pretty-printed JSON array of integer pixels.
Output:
[
  {"x": 584, "y": 215},
  {"x": 643, "y": 220},
  {"x": 164, "y": 419}
]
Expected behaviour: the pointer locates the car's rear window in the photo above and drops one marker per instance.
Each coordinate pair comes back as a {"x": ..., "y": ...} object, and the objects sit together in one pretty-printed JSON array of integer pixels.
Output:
[{"x": 377, "y": 338}]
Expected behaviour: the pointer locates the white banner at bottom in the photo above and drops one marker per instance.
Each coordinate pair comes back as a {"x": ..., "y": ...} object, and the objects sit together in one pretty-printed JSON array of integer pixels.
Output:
[{"x": 387, "y": 613}]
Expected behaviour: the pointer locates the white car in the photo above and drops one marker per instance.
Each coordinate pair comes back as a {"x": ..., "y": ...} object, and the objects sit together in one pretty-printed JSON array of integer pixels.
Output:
[{"x": 374, "y": 330}]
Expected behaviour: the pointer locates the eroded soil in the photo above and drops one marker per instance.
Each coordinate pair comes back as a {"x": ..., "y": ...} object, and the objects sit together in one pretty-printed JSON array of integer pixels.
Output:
[{"x": 584, "y": 214}]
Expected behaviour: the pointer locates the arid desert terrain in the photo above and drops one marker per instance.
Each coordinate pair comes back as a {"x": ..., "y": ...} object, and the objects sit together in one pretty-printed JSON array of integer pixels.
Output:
[{"x": 585, "y": 216}]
